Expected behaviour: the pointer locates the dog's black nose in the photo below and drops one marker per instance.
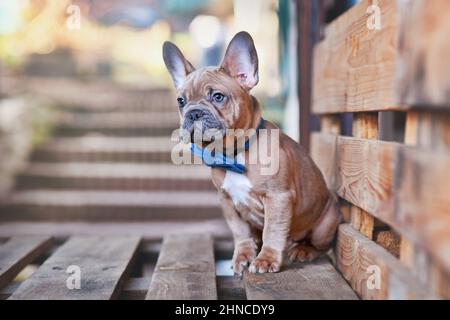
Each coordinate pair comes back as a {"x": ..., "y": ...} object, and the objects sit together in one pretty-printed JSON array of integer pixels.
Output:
[{"x": 194, "y": 115}]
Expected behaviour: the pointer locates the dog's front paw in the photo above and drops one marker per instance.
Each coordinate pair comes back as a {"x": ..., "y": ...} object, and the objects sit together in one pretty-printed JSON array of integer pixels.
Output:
[
  {"x": 243, "y": 255},
  {"x": 268, "y": 260}
]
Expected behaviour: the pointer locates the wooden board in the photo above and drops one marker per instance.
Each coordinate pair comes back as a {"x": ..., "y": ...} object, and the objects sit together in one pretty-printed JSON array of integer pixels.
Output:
[
  {"x": 365, "y": 126},
  {"x": 395, "y": 183},
  {"x": 423, "y": 202},
  {"x": 104, "y": 263},
  {"x": 185, "y": 269},
  {"x": 361, "y": 261},
  {"x": 424, "y": 46},
  {"x": 361, "y": 171},
  {"x": 354, "y": 66},
  {"x": 309, "y": 281},
  {"x": 19, "y": 251}
]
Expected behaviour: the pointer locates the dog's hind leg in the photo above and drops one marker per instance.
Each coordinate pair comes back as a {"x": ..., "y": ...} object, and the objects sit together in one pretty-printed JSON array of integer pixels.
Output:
[{"x": 321, "y": 236}]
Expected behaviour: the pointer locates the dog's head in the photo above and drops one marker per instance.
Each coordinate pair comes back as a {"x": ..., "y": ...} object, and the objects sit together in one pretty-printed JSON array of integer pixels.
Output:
[{"x": 218, "y": 98}]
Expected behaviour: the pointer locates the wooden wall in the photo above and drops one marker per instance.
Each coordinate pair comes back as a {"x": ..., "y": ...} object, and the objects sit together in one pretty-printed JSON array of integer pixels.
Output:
[{"x": 395, "y": 196}]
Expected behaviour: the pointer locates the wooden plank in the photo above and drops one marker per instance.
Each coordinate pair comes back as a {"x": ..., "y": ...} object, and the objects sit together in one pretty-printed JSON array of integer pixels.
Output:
[
  {"x": 316, "y": 280},
  {"x": 372, "y": 271},
  {"x": 423, "y": 203},
  {"x": 306, "y": 33},
  {"x": 19, "y": 251},
  {"x": 411, "y": 128},
  {"x": 389, "y": 240},
  {"x": 330, "y": 123},
  {"x": 407, "y": 249},
  {"x": 104, "y": 263},
  {"x": 397, "y": 184},
  {"x": 424, "y": 73},
  {"x": 432, "y": 130},
  {"x": 354, "y": 66},
  {"x": 417, "y": 133},
  {"x": 185, "y": 269},
  {"x": 362, "y": 221},
  {"x": 362, "y": 171},
  {"x": 365, "y": 126}
]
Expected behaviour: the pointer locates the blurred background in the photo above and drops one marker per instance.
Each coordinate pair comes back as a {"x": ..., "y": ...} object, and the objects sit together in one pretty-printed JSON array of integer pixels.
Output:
[
  {"x": 87, "y": 107},
  {"x": 121, "y": 41}
]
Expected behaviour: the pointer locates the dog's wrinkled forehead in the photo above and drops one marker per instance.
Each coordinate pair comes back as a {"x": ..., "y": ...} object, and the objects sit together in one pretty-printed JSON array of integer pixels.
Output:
[{"x": 204, "y": 80}]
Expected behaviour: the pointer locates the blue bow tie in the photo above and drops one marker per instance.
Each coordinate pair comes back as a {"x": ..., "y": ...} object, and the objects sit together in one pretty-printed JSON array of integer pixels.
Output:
[{"x": 219, "y": 160}]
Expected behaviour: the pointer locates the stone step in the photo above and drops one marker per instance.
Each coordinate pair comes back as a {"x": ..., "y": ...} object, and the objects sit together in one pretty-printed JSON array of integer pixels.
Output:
[
  {"x": 98, "y": 96},
  {"x": 111, "y": 206},
  {"x": 117, "y": 123},
  {"x": 106, "y": 149},
  {"x": 114, "y": 176}
]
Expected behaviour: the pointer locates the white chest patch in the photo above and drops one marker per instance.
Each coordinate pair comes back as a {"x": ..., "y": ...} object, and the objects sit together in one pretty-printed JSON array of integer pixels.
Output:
[{"x": 237, "y": 186}]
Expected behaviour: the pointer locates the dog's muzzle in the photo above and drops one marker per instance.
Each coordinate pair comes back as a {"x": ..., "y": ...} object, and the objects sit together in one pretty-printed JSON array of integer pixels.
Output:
[{"x": 201, "y": 124}]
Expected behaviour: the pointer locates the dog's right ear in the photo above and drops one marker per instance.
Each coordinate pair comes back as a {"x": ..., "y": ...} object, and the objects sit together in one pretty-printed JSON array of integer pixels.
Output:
[{"x": 176, "y": 63}]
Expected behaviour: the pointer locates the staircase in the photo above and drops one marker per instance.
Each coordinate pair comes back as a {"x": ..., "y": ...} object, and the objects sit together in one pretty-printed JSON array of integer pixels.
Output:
[{"x": 108, "y": 169}]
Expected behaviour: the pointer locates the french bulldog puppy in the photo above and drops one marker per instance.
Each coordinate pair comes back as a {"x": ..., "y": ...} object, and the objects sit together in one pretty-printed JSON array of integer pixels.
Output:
[{"x": 288, "y": 211}]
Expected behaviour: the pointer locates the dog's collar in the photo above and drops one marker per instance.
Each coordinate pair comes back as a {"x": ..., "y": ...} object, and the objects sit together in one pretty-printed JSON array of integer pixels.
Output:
[{"x": 219, "y": 160}]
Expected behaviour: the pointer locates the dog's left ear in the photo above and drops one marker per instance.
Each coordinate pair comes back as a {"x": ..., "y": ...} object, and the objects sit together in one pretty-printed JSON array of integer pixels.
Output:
[
  {"x": 176, "y": 63},
  {"x": 241, "y": 60}
]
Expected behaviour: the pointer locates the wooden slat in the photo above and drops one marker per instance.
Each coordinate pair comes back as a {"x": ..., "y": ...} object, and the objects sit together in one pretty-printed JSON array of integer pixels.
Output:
[
  {"x": 402, "y": 186},
  {"x": 134, "y": 289},
  {"x": 19, "y": 251},
  {"x": 409, "y": 252},
  {"x": 354, "y": 67},
  {"x": 308, "y": 281},
  {"x": 185, "y": 269},
  {"x": 365, "y": 126},
  {"x": 423, "y": 202},
  {"x": 361, "y": 171},
  {"x": 361, "y": 261},
  {"x": 424, "y": 73},
  {"x": 330, "y": 123},
  {"x": 104, "y": 263}
]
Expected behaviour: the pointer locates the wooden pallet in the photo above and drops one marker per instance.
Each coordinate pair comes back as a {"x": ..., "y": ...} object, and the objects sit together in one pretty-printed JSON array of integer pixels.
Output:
[
  {"x": 183, "y": 266},
  {"x": 395, "y": 195}
]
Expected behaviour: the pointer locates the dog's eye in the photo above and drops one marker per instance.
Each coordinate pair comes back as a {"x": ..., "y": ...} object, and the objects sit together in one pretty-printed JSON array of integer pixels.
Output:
[
  {"x": 218, "y": 97},
  {"x": 181, "y": 102}
]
